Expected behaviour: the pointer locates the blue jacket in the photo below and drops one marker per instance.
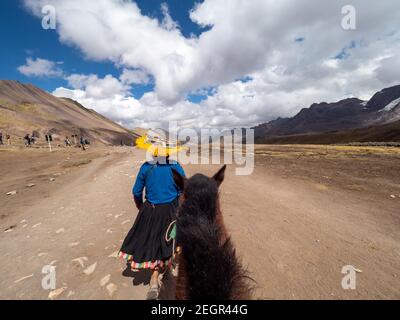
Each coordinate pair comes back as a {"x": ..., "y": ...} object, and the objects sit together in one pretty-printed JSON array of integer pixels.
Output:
[{"x": 159, "y": 183}]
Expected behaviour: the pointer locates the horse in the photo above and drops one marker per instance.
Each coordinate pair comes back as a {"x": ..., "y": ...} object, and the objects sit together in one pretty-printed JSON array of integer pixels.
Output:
[{"x": 208, "y": 267}]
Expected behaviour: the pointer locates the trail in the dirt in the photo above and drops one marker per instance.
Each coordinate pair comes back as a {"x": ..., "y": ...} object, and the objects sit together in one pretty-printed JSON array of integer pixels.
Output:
[
  {"x": 79, "y": 228},
  {"x": 294, "y": 236}
]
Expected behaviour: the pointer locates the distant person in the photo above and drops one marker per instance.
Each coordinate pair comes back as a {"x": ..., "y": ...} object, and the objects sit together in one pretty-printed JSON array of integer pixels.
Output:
[
  {"x": 82, "y": 140},
  {"x": 8, "y": 139},
  {"x": 67, "y": 142},
  {"x": 27, "y": 140},
  {"x": 1, "y": 138}
]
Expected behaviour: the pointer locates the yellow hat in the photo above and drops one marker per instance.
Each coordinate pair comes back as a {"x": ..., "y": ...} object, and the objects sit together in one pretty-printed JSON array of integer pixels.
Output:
[{"x": 155, "y": 147}]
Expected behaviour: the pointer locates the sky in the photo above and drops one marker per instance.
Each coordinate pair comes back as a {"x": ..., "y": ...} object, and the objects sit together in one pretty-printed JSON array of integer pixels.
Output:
[{"x": 211, "y": 63}]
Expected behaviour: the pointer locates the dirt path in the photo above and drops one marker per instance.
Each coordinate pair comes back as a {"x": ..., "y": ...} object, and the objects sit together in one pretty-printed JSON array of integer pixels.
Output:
[
  {"x": 294, "y": 234},
  {"x": 85, "y": 219}
]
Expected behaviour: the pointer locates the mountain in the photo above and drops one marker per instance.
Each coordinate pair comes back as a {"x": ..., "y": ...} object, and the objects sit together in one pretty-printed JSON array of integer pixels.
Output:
[
  {"x": 383, "y": 98},
  {"x": 337, "y": 120},
  {"x": 25, "y": 108},
  {"x": 389, "y": 132}
]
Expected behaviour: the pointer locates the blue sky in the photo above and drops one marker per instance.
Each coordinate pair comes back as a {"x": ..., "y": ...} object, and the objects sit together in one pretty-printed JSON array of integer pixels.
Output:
[
  {"x": 23, "y": 36},
  {"x": 208, "y": 63}
]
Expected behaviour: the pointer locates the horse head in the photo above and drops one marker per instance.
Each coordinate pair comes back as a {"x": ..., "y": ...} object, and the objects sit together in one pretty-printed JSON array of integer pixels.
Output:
[{"x": 201, "y": 192}]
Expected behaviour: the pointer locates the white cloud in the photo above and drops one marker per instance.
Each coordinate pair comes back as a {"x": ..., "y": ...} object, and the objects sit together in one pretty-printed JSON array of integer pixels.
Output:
[
  {"x": 40, "y": 68},
  {"x": 97, "y": 88},
  {"x": 167, "y": 23},
  {"x": 136, "y": 76},
  {"x": 247, "y": 38}
]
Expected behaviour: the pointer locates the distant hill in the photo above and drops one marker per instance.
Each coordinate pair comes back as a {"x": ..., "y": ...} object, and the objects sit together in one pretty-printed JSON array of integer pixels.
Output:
[
  {"x": 25, "y": 108},
  {"x": 343, "y": 121},
  {"x": 389, "y": 132}
]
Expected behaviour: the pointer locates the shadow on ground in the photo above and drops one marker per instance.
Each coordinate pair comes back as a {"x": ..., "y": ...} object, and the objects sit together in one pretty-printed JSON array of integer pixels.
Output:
[
  {"x": 142, "y": 277},
  {"x": 139, "y": 277}
]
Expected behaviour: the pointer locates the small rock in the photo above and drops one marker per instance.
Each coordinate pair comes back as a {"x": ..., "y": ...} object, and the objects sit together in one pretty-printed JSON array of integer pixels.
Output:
[
  {"x": 70, "y": 293},
  {"x": 114, "y": 254},
  {"x": 125, "y": 222},
  {"x": 117, "y": 216},
  {"x": 105, "y": 280},
  {"x": 36, "y": 225},
  {"x": 81, "y": 261},
  {"x": 11, "y": 193},
  {"x": 392, "y": 196},
  {"x": 42, "y": 254},
  {"x": 357, "y": 270},
  {"x": 55, "y": 293},
  {"x": 89, "y": 270},
  {"x": 60, "y": 231},
  {"x": 23, "y": 221},
  {"x": 30, "y": 185},
  {"x": 74, "y": 244},
  {"x": 111, "y": 289},
  {"x": 10, "y": 229},
  {"x": 24, "y": 278},
  {"x": 52, "y": 179}
]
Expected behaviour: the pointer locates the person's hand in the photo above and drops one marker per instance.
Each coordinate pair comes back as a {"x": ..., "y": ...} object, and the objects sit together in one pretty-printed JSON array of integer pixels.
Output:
[{"x": 138, "y": 202}]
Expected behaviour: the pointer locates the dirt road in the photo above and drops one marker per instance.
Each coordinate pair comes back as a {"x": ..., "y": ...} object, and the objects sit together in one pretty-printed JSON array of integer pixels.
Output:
[{"x": 296, "y": 221}]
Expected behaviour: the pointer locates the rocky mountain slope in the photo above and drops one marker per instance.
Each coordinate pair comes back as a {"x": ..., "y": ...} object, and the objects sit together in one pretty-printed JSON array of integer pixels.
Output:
[
  {"x": 339, "y": 119},
  {"x": 25, "y": 108}
]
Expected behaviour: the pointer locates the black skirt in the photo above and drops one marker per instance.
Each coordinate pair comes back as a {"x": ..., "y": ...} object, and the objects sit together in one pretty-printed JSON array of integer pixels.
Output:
[{"x": 145, "y": 246}]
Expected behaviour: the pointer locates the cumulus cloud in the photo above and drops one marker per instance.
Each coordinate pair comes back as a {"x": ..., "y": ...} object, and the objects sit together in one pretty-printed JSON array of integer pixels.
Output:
[
  {"x": 134, "y": 77},
  {"x": 40, "y": 68},
  {"x": 257, "y": 39},
  {"x": 167, "y": 22}
]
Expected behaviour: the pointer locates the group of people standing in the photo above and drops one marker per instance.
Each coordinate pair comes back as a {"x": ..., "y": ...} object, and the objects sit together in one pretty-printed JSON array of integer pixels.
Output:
[
  {"x": 82, "y": 141},
  {"x": 29, "y": 140},
  {"x": 8, "y": 139}
]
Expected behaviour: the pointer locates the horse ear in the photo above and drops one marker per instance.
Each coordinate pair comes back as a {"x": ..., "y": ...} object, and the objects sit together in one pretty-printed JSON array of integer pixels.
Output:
[
  {"x": 220, "y": 175},
  {"x": 178, "y": 179}
]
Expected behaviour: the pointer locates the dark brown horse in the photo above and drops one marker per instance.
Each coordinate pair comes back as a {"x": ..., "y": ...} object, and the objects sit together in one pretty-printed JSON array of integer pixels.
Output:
[{"x": 208, "y": 265}]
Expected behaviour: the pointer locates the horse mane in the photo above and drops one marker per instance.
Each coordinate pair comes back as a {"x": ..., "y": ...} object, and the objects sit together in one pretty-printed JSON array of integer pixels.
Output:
[{"x": 209, "y": 267}]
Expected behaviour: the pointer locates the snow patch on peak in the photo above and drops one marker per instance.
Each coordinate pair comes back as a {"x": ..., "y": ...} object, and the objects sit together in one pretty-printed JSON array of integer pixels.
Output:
[{"x": 390, "y": 106}]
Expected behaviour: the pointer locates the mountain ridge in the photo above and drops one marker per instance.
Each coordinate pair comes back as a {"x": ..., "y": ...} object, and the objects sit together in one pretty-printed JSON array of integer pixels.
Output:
[
  {"x": 344, "y": 115},
  {"x": 26, "y": 108}
]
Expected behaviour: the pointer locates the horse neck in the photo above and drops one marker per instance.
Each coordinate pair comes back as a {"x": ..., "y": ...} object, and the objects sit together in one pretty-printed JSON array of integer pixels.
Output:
[
  {"x": 205, "y": 252},
  {"x": 219, "y": 218}
]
